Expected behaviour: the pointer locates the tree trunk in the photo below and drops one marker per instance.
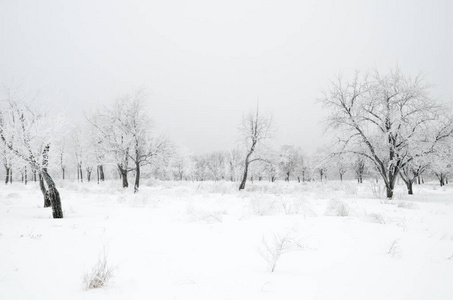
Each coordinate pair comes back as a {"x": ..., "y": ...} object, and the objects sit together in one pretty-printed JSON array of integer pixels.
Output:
[
  {"x": 244, "y": 178},
  {"x": 81, "y": 173},
  {"x": 101, "y": 173},
  {"x": 88, "y": 175},
  {"x": 25, "y": 175},
  {"x": 137, "y": 177},
  {"x": 62, "y": 171},
  {"x": 123, "y": 175},
  {"x": 341, "y": 177},
  {"x": 54, "y": 195},
  {"x": 44, "y": 191},
  {"x": 389, "y": 192},
  {"x": 7, "y": 175},
  {"x": 409, "y": 187}
]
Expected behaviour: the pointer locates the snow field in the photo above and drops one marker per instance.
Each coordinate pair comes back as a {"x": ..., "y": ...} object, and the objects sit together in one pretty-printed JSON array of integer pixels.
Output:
[{"x": 185, "y": 240}]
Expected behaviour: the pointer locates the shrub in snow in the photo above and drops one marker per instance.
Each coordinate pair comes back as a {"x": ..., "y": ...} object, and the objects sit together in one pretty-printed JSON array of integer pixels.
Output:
[
  {"x": 350, "y": 189},
  {"x": 291, "y": 206},
  {"x": 407, "y": 205},
  {"x": 272, "y": 249},
  {"x": 100, "y": 274},
  {"x": 261, "y": 206},
  {"x": 376, "y": 218},
  {"x": 394, "y": 249},
  {"x": 337, "y": 208},
  {"x": 377, "y": 189},
  {"x": 195, "y": 214}
]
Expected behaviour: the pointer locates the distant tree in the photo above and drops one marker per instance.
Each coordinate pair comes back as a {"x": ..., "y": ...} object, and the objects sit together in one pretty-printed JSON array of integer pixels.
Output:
[
  {"x": 288, "y": 160},
  {"x": 256, "y": 129},
  {"x": 234, "y": 164},
  {"x": 359, "y": 168},
  {"x": 125, "y": 132},
  {"x": 321, "y": 161},
  {"x": 216, "y": 165},
  {"x": 182, "y": 163},
  {"x": 379, "y": 116}
]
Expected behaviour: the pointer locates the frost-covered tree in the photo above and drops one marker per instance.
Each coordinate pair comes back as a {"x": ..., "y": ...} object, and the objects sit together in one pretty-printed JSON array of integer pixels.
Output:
[
  {"x": 216, "y": 165},
  {"x": 359, "y": 168},
  {"x": 234, "y": 164},
  {"x": 182, "y": 164},
  {"x": 28, "y": 134},
  {"x": 321, "y": 162},
  {"x": 379, "y": 116},
  {"x": 413, "y": 170},
  {"x": 441, "y": 161},
  {"x": 125, "y": 132},
  {"x": 256, "y": 129},
  {"x": 288, "y": 160}
]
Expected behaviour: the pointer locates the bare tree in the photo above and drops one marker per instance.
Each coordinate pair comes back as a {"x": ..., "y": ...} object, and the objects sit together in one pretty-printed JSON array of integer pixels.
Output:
[
  {"x": 412, "y": 171},
  {"x": 379, "y": 116},
  {"x": 255, "y": 130},
  {"x": 124, "y": 131},
  {"x": 288, "y": 160},
  {"x": 28, "y": 134},
  {"x": 216, "y": 165},
  {"x": 359, "y": 168}
]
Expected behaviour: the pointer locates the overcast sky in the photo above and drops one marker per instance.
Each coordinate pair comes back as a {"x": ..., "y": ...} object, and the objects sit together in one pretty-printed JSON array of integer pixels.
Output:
[{"x": 204, "y": 63}]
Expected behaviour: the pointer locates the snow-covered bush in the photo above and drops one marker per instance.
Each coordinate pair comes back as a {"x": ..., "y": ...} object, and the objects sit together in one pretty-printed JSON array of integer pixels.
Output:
[
  {"x": 350, "y": 188},
  {"x": 376, "y": 218},
  {"x": 100, "y": 274},
  {"x": 394, "y": 249},
  {"x": 407, "y": 205},
  {"x": 337, "y": 208},
  {"x": 262, "y": 206},
  {"x": 195, "y": 214},
  {"x": 377, "y": 190},
  {"x": 291, "y": 206},
  {"x": 272, "y": 249}
]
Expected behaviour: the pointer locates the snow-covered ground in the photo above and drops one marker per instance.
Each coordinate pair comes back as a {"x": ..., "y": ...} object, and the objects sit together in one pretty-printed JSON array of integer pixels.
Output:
[{"x": 184, "y": 240}]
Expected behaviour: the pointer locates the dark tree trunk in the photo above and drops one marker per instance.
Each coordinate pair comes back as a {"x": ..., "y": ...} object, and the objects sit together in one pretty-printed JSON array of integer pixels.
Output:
[
  {"x": 25, "y": 175},
  {"x": 389, "y": 192},
  {"x": 33, "y": 171},
  {"x": 54, "y": 196},
  {"x": 62, "y": 172},
  {"x": 88, "y": 175},
  {"x": 137, "y": 177},
  {"x": 101, "y": 173},
  {"x": 44, "y": 191},
  {"x": 244, "y": 177},
  {"x": 81, "y": 173},
  {"x": 409, "y": 187},
  {"x": 341, "y": 177},
  {"x": 123, "y": 175},
  {"x": 287, "y": 177}
]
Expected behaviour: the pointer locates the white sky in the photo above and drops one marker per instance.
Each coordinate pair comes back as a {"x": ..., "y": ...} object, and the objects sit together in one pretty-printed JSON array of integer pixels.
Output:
[{"x": 204, "y": 63}]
